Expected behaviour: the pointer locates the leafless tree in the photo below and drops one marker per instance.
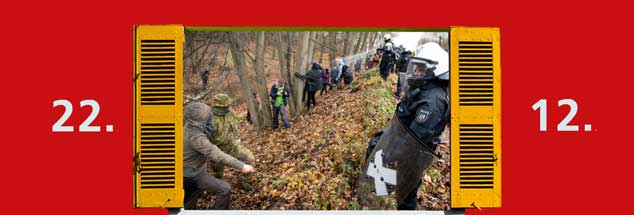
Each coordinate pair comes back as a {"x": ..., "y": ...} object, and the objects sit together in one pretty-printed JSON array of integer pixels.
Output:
[
  {"x": 332, "y": 54},
  {"x": 265, "y": 113},
  {"x": 311, "y": 46},
  {"x": 238, "y": 59},
  {"x": 300, "y": 68},
  {"x": 346, "y": 43}
]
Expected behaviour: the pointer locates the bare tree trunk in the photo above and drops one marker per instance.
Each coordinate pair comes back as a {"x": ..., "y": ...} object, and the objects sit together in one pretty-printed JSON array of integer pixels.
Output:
[
  {"x": 263, "y": 94},
  {"x": 351, "y": 40},
  {"x": 300, "y": 68},
  {"x": 378, "y": 41},
  {"x": 346, "y": 44},
  {"x": 362, "y": 46},
  {"x": 311, "y": 46},
  {"x": 289, "y": 77},
  {"x": 273, "y": 54},
  {"x": 372, "y": 39},
  {"x": 281, "y": 55},
  {"x": 332, "y": 54},
  {"x": 357, "y": 44},
  {"x": 323, "y": 48},
  {"x": 245, "y": 82}
]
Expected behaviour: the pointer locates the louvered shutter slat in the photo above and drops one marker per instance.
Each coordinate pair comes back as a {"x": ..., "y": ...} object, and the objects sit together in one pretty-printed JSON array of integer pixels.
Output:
[
  {"x": 158, "y": 117},
  {"x": 475, "y": 105}
]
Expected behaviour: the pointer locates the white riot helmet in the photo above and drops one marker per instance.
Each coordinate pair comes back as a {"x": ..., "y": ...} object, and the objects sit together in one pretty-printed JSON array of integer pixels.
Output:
[
  {"x": 437, "y": 57},
  {"x": 431, "y": 61},
  {"x": 387, "y": 37}
]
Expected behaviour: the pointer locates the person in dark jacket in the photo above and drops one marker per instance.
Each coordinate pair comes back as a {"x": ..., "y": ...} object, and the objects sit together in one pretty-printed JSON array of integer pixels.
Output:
[
  {"x": 279, "y": 94},
  {"x": 357, "y": 65},
  {"x": 388, "y": 57},
  {"x": 204, "y": 77},
  {"x": 343, "y": 70},
  {"x": 325, "y": 79},
  {"x": 334, "y": 74},
  {"x": 314, "y": 84},
  {"x": 347, "y": 76}
]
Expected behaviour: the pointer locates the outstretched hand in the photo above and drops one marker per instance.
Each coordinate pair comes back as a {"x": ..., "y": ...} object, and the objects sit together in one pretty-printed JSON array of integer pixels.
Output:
[{"x": 247, "y": 169}]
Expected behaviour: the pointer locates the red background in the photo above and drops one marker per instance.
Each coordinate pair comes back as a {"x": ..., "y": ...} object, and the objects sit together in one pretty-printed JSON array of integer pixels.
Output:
[{"x": 83, "y": 50}]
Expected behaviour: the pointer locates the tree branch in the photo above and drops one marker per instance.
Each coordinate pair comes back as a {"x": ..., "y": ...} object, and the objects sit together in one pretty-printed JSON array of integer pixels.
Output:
[{"x": 323, "y": 45}]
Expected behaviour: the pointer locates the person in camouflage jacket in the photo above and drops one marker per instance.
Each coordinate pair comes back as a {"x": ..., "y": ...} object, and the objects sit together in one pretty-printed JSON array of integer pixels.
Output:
[{"x": 226, "y": 135}]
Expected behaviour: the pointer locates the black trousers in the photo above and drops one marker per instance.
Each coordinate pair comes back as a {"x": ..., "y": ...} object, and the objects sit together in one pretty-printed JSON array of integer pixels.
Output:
[
  {"x": 410, "y": 202},
  {"x": 324, "y": 88},
  {"x": 384, "y": 75},
  {"x": 311, "y": 99}
]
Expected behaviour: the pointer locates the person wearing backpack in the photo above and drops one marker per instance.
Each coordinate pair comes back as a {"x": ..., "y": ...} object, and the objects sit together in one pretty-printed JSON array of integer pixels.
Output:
[
  {"x": 347, "y": 75},
  {"x": 279, "y": 94},
  {"x": 199, "y": 151},
  {"x": 334, "y": 74}
]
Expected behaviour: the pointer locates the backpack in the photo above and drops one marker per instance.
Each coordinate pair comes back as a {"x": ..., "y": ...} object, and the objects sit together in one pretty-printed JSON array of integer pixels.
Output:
[
  {"x": 347, "y": 79},
  {"x": 344, "y": 70},
  {"x": 333, "y": 75},
  {"x": 209, "y": 127}
]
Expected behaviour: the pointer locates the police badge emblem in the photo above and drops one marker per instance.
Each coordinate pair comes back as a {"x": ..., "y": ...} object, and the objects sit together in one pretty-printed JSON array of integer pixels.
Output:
[{"x": 422, "y": 116}]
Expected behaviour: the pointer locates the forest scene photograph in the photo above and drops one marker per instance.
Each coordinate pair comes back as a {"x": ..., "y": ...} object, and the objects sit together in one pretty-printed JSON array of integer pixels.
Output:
[{"x": 310, "y": 120}]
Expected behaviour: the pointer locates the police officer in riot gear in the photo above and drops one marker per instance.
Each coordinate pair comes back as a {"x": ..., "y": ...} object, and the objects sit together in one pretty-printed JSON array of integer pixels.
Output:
[
  {"x": 388, "y": 57},
  {"x": 401, "y": 67},
  {"x": 399, "y": 154}
]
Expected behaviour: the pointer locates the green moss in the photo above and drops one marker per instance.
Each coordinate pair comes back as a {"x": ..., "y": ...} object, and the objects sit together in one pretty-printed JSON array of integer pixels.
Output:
[{"x": 379, "y": 108}]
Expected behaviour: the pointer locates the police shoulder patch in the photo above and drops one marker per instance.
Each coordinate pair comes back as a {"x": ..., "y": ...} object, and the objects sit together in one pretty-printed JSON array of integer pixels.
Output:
[{"x": 422, "y": 116}]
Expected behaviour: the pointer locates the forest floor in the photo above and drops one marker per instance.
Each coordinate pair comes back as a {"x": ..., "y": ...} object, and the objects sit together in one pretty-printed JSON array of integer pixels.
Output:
[{"x": 315, "y": 164}]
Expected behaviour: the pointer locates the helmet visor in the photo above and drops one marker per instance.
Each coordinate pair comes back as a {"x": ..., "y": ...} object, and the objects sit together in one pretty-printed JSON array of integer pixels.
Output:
[{"x": 416, "y": 68}]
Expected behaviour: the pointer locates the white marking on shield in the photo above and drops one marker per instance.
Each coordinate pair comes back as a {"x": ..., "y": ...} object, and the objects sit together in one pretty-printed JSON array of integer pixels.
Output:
[{"x": 381, "y": 174}]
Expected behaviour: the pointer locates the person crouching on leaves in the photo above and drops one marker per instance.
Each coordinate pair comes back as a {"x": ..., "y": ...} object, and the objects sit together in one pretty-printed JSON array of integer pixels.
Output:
[
  {"x": 198, "y": 151},
  {"x": 226, "y": 135},
  {"x": 279, "y": 93}
]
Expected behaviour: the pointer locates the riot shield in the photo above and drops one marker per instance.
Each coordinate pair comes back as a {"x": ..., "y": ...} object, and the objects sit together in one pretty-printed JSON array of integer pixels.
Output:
[{"x": 395, "y": 166}]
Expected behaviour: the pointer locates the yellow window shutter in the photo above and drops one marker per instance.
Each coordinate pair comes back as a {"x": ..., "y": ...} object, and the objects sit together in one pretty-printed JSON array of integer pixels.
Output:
[
  {"x": 158, "y": 116},
  {"x": 476, "y": 155}
]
